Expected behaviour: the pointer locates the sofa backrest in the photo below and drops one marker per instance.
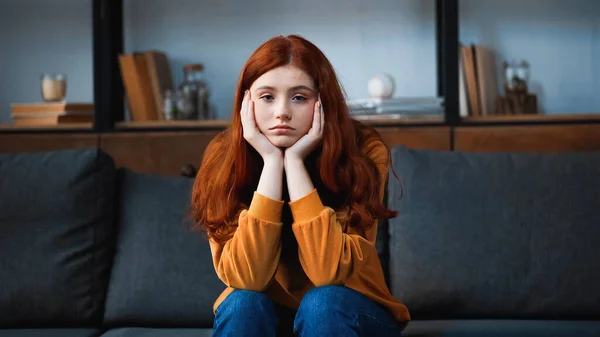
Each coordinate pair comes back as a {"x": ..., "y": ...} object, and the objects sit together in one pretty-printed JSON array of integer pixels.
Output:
[
  {"x": 503, "y": 235},
  {"x": 56, "y": 231},
  {"x": 478, "y": 236},
  {"x": 85, "y": 244},
  {"x": 162, "y": 273}
]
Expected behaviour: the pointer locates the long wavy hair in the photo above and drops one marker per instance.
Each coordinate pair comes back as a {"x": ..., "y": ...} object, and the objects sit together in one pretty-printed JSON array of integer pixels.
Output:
[{"x": 230, "y": 168}]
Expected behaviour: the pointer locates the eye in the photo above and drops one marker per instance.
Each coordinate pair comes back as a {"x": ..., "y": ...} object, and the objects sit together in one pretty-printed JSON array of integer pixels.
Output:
[
  {"x": 267, "y": 97},
  {"x": 299, "y": 98}
]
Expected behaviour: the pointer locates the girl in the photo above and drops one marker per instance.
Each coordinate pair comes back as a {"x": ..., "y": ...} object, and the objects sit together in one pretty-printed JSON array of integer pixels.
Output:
[{"x": 289, "y": 196}]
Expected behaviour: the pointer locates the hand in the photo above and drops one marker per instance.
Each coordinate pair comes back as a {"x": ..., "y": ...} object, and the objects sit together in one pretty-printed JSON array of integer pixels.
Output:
[
  {"x": 305, "y": 145},
  {"x": 252, "y": 134}
]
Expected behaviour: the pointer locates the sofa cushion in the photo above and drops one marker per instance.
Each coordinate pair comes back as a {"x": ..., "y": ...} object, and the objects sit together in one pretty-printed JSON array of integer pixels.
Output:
[
  {"x": 56, "y": 228},
  {"x": 50, "y": 332},
  {"x": 502, "y": 328},
  {"x": 163, "y": 273},
  {"x": 147, "y": 332},
  {"x": 493, "y": 235}
]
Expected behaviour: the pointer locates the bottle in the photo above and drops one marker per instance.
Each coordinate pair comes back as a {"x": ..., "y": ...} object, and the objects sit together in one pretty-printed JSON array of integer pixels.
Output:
[
  {"x": 194, "y": 92},
  {"x": 169, "y": 106}
]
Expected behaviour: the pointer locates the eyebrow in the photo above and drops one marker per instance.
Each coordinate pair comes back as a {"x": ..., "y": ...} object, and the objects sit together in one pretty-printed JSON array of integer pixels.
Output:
[{"x": 298, "y": 87}]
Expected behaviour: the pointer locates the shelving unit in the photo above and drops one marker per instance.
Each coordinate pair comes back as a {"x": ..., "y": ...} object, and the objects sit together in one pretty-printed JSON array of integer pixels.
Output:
[
  {"x": 108, "y": 44},
  {"x": 108, "y": 89}
]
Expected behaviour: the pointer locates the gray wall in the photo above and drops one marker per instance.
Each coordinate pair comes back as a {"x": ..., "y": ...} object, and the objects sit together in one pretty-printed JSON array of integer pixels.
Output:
[
  {"x": 561, "y": 41},
  {"x": 44, "y": 36},
  {"x": 223, "y": 34}
]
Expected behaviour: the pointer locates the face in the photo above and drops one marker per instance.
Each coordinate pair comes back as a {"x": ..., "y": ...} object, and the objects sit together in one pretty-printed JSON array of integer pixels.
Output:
[{"x": 284, "y": 100}]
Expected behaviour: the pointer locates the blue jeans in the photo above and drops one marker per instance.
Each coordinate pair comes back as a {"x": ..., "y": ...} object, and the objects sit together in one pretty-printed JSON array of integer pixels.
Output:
[{"x": 324, "y": 311}]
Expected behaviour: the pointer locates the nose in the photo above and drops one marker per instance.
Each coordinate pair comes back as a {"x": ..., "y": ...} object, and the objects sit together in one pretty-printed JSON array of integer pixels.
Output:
[{"x": 283, "y": 111}]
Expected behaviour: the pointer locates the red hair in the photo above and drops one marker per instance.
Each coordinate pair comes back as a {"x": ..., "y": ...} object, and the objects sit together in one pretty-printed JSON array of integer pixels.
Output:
[{"x": 341, "y": 172}]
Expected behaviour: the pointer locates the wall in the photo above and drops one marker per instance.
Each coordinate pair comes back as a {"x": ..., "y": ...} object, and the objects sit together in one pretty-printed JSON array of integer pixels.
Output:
[
  {"x": 560, "y": 41},
  {"x": 39, "y": 36},
  {"x": 360, "y": 39}
]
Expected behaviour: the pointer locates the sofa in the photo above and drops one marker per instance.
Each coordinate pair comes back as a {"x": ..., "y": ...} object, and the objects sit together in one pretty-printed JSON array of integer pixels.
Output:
[{"x": 504, "y": 244}]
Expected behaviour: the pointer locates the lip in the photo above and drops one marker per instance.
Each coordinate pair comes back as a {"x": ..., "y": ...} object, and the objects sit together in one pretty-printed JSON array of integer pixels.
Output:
[
  {"x": 281, "y": 127},
  {"x": 281, "y": 131}
]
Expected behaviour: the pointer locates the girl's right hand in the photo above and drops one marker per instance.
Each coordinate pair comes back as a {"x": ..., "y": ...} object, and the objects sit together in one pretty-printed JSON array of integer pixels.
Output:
[{"x": 252, "y": 134}]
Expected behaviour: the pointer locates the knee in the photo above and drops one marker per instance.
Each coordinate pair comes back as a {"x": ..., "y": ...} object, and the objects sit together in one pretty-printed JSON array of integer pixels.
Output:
[
  {"x": 323, "y": 302},
  {"x": 252, "y": 313},
  {"x": 246, "y": 301}
]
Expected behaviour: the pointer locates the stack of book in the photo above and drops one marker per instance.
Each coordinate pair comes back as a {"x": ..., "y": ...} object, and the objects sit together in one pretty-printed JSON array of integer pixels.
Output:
[
  {"x": 51, "y": 113},
  {"x": 397, "y": 107}
]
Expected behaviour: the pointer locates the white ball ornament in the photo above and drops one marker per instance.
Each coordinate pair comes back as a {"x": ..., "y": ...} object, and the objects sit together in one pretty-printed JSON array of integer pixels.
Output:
[{"x": 381, "y": 86}]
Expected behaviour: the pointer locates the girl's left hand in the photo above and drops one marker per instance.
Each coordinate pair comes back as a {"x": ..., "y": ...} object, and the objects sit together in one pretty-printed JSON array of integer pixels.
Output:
[{"x": 305, "y": 145}]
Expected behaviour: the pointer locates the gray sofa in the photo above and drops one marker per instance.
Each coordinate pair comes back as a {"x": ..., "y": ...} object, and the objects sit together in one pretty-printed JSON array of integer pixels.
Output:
[{"x": 484, "y": 245}]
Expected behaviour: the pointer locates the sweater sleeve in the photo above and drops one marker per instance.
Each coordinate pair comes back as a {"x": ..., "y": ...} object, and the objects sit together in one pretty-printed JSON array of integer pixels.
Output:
[
  {"x": 326, "y": 253},
  {"x": 250, "y": 255}
]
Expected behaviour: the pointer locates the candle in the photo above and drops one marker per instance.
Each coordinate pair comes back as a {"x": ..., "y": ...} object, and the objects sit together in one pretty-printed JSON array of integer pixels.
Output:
[{"x": 54, "y": 87}]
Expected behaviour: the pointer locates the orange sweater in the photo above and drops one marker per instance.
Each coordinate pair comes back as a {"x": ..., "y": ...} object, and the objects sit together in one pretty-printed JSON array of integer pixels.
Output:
[{"x": 317, "y": 251}]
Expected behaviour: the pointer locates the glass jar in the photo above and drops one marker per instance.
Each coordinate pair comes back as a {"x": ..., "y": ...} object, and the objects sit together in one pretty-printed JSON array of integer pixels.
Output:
[
  {"x": 509, "y": 74},
  {"x": 185, "y": 107},
  {"x": 516, "y": 75},
  {"x": 54, "y": 87},
  {"x": 523, "y": 71},
  {"x": 194, "y": 93}
]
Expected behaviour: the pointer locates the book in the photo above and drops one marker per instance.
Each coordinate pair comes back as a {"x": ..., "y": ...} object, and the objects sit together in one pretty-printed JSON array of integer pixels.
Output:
[
  {"x": 486, "y": 79},
  {"x": 478, "y": 80},
  {"x": 160, "y": 78},
  {"x": 145, "y": 75},
  {"x": 51, "y": 118},
  {"x": 57, "y": 107},
  {"x": 396, "y": 101},
  {"x": 135, "y": 76},
  {"x": 404, "y": 105}
]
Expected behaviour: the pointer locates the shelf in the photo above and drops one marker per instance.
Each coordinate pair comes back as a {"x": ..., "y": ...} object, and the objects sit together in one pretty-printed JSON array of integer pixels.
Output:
[
  {"x": 108, "y": 40},
  {"x": 184, "y": 124},
  {"x": 221, "y": 124},
  {"x": 62, "y": 127},
  {"x": 531, "y": 118},
  {"x": 375, "y": 121},
  {"x": 389, "y": 121}
]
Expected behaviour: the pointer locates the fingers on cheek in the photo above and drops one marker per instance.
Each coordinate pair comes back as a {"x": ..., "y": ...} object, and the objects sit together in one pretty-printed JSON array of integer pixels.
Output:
[{"x": 322, "y": 121}]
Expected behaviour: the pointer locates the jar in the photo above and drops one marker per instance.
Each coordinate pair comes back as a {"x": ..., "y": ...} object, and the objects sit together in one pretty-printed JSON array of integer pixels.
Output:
[
  {"x": 54, "y": 87},
  {"x": 509, "y": 74},
  {"x": 523, "y": 71},
  {"x": 185, "y": 107},
  {"x": 194, "y": 93}
]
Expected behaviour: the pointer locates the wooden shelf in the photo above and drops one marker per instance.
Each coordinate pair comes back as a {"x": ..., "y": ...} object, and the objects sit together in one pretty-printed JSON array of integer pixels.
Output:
[
  {"x": 221, "y": 124},
  {"x": 532, "y": 118},
  {"x": 212, "y": 124},
  {"x": 394, "y": 121},
  {"x": 70, "y": 126},
  {"x": 206, "y": 124},
  {"x": 375, "y": 121}
]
